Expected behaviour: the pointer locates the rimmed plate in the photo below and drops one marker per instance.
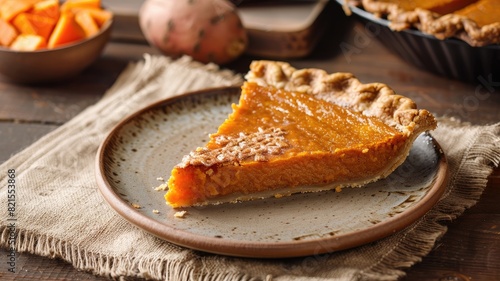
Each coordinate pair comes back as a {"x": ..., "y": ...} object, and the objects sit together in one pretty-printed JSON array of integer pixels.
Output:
[{"x": 146, "y": 146}]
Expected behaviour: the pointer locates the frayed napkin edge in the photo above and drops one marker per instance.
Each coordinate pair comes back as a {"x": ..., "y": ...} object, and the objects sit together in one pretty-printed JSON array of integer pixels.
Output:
[{"x": 483, "y": 154}]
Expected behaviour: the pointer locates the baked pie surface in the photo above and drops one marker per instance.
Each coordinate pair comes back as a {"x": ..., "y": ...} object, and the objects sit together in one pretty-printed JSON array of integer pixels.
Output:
[
  {"x": 299, "y": 131},
  {"x": 476, "y": 22}
]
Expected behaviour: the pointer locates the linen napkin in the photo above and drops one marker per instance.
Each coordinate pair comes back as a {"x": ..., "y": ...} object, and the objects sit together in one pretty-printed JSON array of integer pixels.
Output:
[{"x": 60, "y": 213}]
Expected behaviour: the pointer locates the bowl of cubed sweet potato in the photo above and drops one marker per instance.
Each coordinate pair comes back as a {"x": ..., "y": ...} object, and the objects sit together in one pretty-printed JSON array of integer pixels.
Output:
[{"x": 50, "y": 40}]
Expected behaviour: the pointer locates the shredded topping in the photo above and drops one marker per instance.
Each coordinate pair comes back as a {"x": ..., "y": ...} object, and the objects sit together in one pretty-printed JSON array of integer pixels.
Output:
[{"x": 259, "y": 146}]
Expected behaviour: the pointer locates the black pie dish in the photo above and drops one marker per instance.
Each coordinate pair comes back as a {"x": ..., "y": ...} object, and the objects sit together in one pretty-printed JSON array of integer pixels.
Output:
[{"x": 451, "y": 58}]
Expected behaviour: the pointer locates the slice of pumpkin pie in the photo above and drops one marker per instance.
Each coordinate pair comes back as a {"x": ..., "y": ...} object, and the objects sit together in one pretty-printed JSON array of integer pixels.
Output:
[{"x": 299, "y": 131}]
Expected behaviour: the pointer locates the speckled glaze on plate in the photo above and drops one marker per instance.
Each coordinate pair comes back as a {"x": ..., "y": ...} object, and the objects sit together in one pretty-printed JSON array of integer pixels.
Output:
[{"x": 148, "y": 144}]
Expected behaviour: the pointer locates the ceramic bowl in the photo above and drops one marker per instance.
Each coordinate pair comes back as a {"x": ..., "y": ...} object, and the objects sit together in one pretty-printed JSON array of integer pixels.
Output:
[
  {"x": 50, "y": 65},
  {"x": 451, "y": 58}
]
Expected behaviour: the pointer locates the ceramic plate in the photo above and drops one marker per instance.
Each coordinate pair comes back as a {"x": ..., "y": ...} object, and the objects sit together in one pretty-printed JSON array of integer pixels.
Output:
[{"x": 143, "y": 148}]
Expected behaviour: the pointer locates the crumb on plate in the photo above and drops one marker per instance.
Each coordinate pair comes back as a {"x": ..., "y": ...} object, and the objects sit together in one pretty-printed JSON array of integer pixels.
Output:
[
  {"x": 180, "y": 214},
  {"x": 162, "y": 187}
]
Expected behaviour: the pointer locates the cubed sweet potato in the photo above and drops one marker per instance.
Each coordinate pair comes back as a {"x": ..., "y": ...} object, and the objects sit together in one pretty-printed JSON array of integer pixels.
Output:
[
  {"x": 11, "y": 8},
  {"x": 100, "y": 16},
  {"x": 28, "y": 42},
  {"x": 58, "y": 24},
  {"x": 88, "y": 24},
  {"x": 68, "y": 5},
  {"x": 7, "y": 33},
  {"x": 34, "y": 24},
  {"x": 47, "y": 8},
  {"x": 66, "y": 31}
]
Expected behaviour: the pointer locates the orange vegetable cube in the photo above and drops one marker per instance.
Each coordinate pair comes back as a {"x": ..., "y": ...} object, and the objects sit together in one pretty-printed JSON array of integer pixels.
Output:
[
  {"x": 28, "y": 42},
  {"x": 66, "y": 31},
  {"x": 85, "y": 20},
  {"x": 100, "y": 16},
  {"x": 11, "y": 8},
  {"x": 7, "y": 33},
  {"x": 47, "y": 8},
  {"x": 34, "y": 24},
  {"x": 57, "y": 24},
  {"x": 96, "y": 4}
]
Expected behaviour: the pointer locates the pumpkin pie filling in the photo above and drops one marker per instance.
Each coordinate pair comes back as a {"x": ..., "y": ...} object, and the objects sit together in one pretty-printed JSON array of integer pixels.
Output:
[
  {"x": 484, "y": 12},
  {"x": 278, "y": 142},
  {"x": 441, "y": 7}
]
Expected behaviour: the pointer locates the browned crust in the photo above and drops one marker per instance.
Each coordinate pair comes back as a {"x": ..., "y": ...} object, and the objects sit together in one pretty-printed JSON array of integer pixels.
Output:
[
  {"x": 442, "y": 27},
  {"x": 373, "y": 99}
]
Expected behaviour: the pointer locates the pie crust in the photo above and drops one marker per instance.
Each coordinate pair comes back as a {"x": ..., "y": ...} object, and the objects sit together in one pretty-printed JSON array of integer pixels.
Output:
[
  {"x": 354, "y": 134},
  {"x": 372, "y": 99},
  {"x": 451, "y": 25}
]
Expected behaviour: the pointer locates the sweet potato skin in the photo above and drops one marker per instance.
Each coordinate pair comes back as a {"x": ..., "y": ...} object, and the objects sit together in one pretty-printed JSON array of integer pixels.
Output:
[{"x": 206, "y": 30}]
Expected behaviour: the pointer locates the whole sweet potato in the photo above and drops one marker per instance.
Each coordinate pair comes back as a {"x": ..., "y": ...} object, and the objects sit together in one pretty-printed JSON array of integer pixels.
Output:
[{"x": 206, "y": 30}]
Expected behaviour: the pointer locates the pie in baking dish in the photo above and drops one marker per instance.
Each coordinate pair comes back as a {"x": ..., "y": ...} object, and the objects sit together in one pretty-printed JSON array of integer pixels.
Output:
[
  {"x": 475, "y": 21},
  {"x": 299, "y": 131}
]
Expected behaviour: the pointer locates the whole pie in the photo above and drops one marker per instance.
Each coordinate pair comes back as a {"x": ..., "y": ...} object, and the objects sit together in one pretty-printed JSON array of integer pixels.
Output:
[
  {"x": 475, "y": 21},
  {"x": 299, "y": 131}
]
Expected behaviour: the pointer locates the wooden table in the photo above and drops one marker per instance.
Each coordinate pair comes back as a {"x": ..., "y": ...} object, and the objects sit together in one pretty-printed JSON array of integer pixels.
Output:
[{"x": 470, "y": 250}]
